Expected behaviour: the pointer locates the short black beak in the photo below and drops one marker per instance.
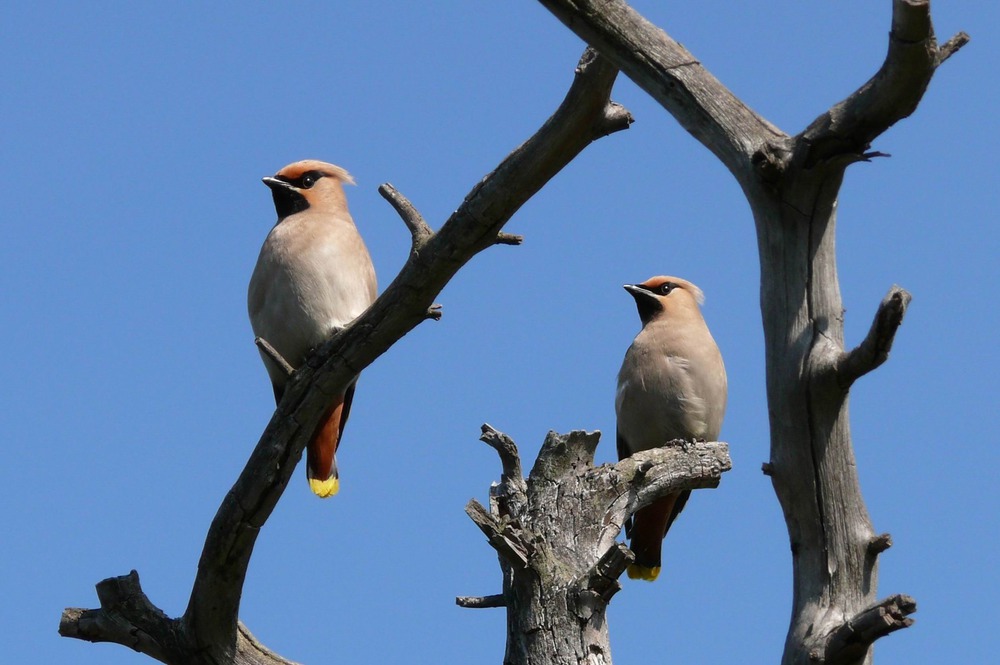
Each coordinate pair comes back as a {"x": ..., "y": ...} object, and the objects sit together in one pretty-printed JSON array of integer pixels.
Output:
[
  {"x": 276, "y": 185},
  {"x": 637, "y": 290},
  {"x": 646, "y": 302}
]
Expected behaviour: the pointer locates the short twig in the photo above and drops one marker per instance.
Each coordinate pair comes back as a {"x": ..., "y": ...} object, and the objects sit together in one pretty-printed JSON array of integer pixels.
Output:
[
  {"x": 481, "y": 602},
  {"x": 951, "y": 47},
  {"x": 874, "y": 350},
  {"x": 879, "y": 544},
  {"x": 414, "y": 221},
  {"x": 510, "y": 546},
  {"x": 273, "y": 354},
  {"x": 508, "y": 239},
  {"x": 505, "y": 447}
]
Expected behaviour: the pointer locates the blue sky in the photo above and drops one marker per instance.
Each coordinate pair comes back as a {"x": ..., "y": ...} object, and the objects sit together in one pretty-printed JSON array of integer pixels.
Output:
[{"x": 135, "y": 139}]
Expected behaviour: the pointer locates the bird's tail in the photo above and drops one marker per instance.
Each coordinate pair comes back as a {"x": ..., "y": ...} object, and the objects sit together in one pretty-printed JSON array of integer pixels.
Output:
[
  {"x": 321, "y": 455},
  {"x": 649, "y": 527}
]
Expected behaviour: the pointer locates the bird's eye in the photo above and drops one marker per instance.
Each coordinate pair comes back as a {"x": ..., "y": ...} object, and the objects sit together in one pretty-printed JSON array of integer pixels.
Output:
[
  {"x": 666, "y": 288},
  {"x": 308, "y": 180}
]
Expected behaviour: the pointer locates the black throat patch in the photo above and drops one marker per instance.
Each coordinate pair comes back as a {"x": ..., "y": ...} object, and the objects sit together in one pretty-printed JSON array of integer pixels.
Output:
[{"x": 288, "y": 202}]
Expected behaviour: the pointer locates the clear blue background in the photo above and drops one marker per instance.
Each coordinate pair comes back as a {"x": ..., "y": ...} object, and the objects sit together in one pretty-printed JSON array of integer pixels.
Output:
[{"x": 134, "y": 139}]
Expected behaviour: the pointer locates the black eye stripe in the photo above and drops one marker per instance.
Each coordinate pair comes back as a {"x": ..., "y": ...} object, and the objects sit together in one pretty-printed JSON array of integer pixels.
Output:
[{"x": 304, "y": 181}]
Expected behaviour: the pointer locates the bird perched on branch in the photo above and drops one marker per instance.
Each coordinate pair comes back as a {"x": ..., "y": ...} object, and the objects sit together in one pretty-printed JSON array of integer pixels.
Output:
[
  {"x": 672, "y": 385},
  {"x": 313, "y": 276}
]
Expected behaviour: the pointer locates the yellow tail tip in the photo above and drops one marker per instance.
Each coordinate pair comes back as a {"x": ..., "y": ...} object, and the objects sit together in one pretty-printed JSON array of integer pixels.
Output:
[
  {"x": 324, "y": 488},
  {"x": 637, "y": 572}
]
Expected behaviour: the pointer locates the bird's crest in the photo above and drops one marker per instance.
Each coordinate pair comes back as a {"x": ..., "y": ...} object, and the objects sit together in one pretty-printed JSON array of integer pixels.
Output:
[
  {"x": 653, "y": 282},
  {"x": 296, "y": 169}
]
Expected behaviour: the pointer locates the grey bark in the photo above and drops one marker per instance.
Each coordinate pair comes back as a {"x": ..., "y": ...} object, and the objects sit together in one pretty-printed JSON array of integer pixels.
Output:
[
  {"x": 555, "y": 530},
  {"x": 555, "y": 533},
  {"x": 209, "y": 632},
  {"x": 792, "y": 183}
]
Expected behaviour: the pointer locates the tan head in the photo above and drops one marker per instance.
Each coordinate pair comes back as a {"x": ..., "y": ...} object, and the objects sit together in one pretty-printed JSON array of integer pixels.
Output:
[
  {"x": 664, "y": 296},
  {"x": 309, "y": 184}
]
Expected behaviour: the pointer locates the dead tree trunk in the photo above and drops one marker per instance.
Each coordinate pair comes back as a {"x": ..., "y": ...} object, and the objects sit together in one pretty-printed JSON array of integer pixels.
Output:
[
  {"x": 555, "y": 531},
  {"x": 792, "y": 184},
  {"x": 555, "y": 535}
]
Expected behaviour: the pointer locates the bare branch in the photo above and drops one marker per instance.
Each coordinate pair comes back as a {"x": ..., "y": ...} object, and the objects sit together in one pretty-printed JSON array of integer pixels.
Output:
[
  {"x": 504, "y": 539},
  {"x": 951, "y": 47},
  {"x": 874, "y": 350},
  {"x": 505, "y": 447},
  {"x": 210, "y": 622},
  {"x": 414, "y": 221},
  {"x": 273, "y": 354},
  {"x": 126, "y": 617},
  {"x": 850, "y": 642},
  {"x": 508, "y": 239},
  {"x": 655, "y": 473},
  {"x": 847, "y": 129},
  {"x": 481, "y": 602},
  {"x": 879, "y": 544},
  {"x": 672, "y": 76}
]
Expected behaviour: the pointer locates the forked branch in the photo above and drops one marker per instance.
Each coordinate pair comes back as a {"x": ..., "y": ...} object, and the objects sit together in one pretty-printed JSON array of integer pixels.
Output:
[
  {"x": 848, "y": 128},
  {"x": 209, "y": 631}
]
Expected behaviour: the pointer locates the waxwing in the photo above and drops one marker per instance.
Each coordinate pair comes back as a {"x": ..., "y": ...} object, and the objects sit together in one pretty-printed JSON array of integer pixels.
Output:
[
  {"x": 672, "y": 385},
  {"x": 313, "y": 276}
]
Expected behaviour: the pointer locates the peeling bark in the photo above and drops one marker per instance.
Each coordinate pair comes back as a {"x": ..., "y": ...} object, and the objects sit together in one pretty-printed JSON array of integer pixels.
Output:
[{"x": 555, "y": 535}]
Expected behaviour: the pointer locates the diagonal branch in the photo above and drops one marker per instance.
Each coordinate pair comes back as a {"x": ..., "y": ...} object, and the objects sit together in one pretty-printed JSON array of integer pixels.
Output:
[
  {"x": 210, "y": 625},
  {"x": 273, "y": 354},
  {"x": 848, "y": 128},
  {"x": 672, "y": 76},
  {"x": 414, "y": 221},
  {"x": 952, "y": 46},
  {"x": 507, "y": 540}
]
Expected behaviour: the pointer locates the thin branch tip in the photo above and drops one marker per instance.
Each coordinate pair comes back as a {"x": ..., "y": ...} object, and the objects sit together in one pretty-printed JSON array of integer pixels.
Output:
[
  {"x": 481, "y": 602},
  {"x": 952, "y": 46},
  {"x": 505, "y": 447},
  {"x": 419, "y": 229},
  {"x": 273, "y": 354},
  {"x": 508, "y": 239}
]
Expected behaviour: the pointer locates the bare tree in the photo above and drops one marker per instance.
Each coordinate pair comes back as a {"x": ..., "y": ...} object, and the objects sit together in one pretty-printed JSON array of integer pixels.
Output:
[
  {"x": 555, "y": 531},
  {"x": 792, "y": 183}
]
